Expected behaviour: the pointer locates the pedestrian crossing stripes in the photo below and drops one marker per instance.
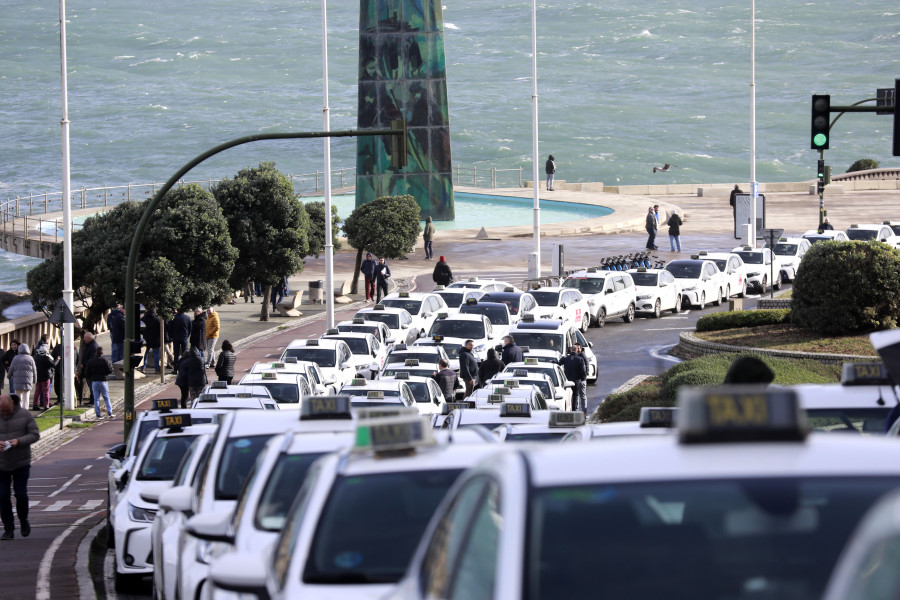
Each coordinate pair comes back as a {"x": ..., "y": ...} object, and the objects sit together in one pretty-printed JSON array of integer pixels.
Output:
[{"x": 65, "y": 504}]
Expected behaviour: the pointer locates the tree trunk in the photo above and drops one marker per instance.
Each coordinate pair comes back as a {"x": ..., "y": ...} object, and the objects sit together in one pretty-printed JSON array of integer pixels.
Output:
[
  {"x": 354, "y": 287},
  {"x": 264, "y": 309}
]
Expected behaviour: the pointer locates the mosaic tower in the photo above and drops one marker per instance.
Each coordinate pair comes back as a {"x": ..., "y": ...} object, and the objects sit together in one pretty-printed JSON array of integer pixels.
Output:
[{"x": 402, "y": 75}]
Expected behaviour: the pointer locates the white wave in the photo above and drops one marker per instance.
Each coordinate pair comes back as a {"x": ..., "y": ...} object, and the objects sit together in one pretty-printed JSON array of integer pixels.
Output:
[
  {"x": 698, "y": 117},
  {"x": 235, "y": 59},
  {"x": 450, "y": 26},
  {"x": 122, "y": 57},
  {"x": 504, "y": 148},
  {"x": 150, "y": 60},
  {"x": 156, "y": 106}
]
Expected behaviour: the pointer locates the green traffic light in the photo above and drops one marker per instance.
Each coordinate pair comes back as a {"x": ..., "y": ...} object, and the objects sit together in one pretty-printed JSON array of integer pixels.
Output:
[{"x": 820, "y": 139}]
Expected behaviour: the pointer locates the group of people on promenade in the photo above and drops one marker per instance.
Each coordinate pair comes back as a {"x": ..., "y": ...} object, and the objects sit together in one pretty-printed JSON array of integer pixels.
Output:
[{"x": 653, "y": 223}]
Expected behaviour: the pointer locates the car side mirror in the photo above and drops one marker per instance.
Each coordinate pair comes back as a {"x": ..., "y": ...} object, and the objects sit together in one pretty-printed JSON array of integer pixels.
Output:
[
  {"x": 404, "y": 326},
  {"x": 564, "y": 305},
  {"x": 214, "y": 527},
  {"x": 241, "y": 573},
  {"x": 346, "y": 364},
  {"x": 608, "y": 292},
  {"x": 178, "y": 499},
  {"x": 120, "y": 478},
  {"x": 117, "y": 452}
]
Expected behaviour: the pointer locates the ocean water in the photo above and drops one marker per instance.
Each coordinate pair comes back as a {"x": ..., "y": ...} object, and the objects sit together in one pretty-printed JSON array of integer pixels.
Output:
[{"x": 622, "y": 87}]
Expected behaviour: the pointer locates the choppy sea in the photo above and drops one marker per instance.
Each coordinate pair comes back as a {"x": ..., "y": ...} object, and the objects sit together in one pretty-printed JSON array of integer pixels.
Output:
[{"x": 622, "y": 87}]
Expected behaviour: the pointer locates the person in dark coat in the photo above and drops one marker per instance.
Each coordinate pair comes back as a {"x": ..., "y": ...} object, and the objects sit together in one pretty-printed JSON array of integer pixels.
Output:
[
  {"x": 116, "y": 324},
  {"x": 44, "y": 342},
  {"x": 734, "y": 192},
  {"x": 573, "y": 365},
  {"x": 550, "y": 170},
  {"x": 45, "y": 365},
  {"x": 489, "y": 367},
  {"x": 650, "y": 224},
  {"x": 151, "y": 337},
  {"x": 195, "y": 372},
  {"x": 442, "y": 274},
  {"x": 2, "y": 369},
  {"x": 7, "y": 360},
  {"x": 18, "y": 429},
  {"x": 180, "y": 332},
  {"x": 446, "y": 379},
  {"x": 181, "y": 379},
  {"x": 511, "y": 351},
  {"x": 468, "y": 366},
  {"x": 198, "y": 331},
  {"x": 674, "y": 222},
  {"x": 97, "y": 371},
  {"x": 88, "y": 351},
  {"x": 428, "y": 238},
  {"x": 225, "y": 363},
  {"x": 367, "y": 268},
  {"x": 382, "y": 274}
]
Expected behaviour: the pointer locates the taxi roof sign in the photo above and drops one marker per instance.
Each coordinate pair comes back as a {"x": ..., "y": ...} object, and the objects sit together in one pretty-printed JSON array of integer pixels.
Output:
[
  {"x": 511, "y": 383},
  {"x": 450, "y": 406},
  {"x": 325, "y": 407},
  {"x": 206, "y": 398},
  {"x": 378, "y": 307},
  {"x": 375, "y": 394},
  {"x": 218, "y": 385},
  {"x": 439, "y": 288},
  {"x": 471, "y": 301},
  {"x": 515, "y": 409},
  {"x": 528, "y": 318},
  {"x": 495, "y": 398},
  {"x": 393, "y": 435},
  {"x": 312, "y": 342},
  {"x": 174, "y": 421},
  {"x": 359, "y": 321},
  {"x": 473, "y": 278},
  {"x": 870, "y": 373},
  {"x": 401, "y": 375},
  {"x": 290, "y": 360},
  {"x": 657, "y": 416},
  {"x": 531, "y": 360},
  {"x": 525, "y": 349},
  {"x": 566, "y": 418},
  {"x": 509, "y": 288},
  {"x": 642, "y": 269},
  {"x": 164, "y": 404},
  {"x": 280, "y": 365},
  {"x": 521, "y": 372},
  {"x": 739, "y": 413},
  {"x": 269, "y": 375},
  {"x": 592, "y": 269},
  {"x": 502, "y": 389},
  {"x": 437, "y": 338},
  {"x": 400, "y": 346},
  {"x": 332, "y": 331},
  {"x": 358, "y": 381},
  {"x": 403, "y": 294},
  {"x": 411, "y": 362},
  {"x": 443, "y": 315}
]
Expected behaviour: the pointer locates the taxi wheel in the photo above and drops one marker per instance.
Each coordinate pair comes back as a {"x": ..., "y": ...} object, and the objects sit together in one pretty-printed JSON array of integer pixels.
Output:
[
  {"x": 764, "y": 286},
  {"x": 678, "y": 302},
  {"x": 110, "y": 533},
  {"x": 718, "y": 299},
  {"x": 702, "y": 304},
  {"x": 743, "y": 293},
  {"x": 601, "y": 317},
  {"x": 585, "y": 322},
  {"x": 629, "y": 315},
  {"x": 727, "y": 292},
  {"x": 657, "y": 309},
  {"x": 777, "y": 284}
]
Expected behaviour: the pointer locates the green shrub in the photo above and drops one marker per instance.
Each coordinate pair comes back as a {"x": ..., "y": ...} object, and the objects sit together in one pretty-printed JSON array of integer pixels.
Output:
[
  {"x": 702, "y": 377},
  {"x": 845, "y": 288},
  {"x": 633, "y": 411},
  {"x": 744, "y": 318},
  {"x": 863, "y": 164},
  {"x": 646, "y": 391}
]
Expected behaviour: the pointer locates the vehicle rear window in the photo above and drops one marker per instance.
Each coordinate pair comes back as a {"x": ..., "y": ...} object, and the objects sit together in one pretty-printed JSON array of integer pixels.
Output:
[
  {"x": 849, "y": 420},
  {"x": 785, "y": 249},
  {"x": 321, "y": 356},
  {"x": 391, "y": 320},
  {"x": 751, "y": 258},
  {"x": 411, "y": 306},
  {"x": 685, "y": 270},
  {"x": 645, "y": 279},
  {"x": 861, "y": 235},
  {"x": 594, "y": 285},
  {"x": 545, "y": 298},
  {"x": 283, "y": 393},
  {"x": 495, "y": 314},
  {"x": 458, "y": 329}
]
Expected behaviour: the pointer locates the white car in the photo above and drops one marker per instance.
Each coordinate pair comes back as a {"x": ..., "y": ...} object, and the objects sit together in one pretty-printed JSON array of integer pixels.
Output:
[
  {"x": 701, "y": 281},
  {"x": 560, "y": 398},
  {"x": 609, "y": 294},
  {"x": 364, "y": 393},
  {"x": 453, "y": 330},
  {"x": 863, "y": 232},
  {"x": 562, "y": 387},
  {"x": 367, "y": 352},
  {"x": 489, "y": 418},
  {"x": 549, "y": 340},
  {"x": 496, "y": 312},
  {"x": 398, "y": 321},
  {"x": 357, "y": 518},
  {"x": 762, "y": 267},
  {"x": 309, "y": 370},
  {"x": 360, "y": 325},
  {"x": 422, "y": 307},
  {"x": 563, "y": 303},
  {"x": 425, "y": 391},
  {"x": 656, "y": 290},
  {"x": 456, "y": 297},
  {"x": 560, "y": 424},
  {"x": 734, "y": 272},
  {"x": 219, "y": 395},
  {"x": 789, "y": 252},
  {"x": 287, "y": 389},
  {"x": 424, "y": 353},
  {"x": 673, "y": 512},
  {"x": 485, "y": 285},
  {"x": 825, "y": 235},
  {"x": 333, "y": 357},
  {"x": 518, "y": 303}
]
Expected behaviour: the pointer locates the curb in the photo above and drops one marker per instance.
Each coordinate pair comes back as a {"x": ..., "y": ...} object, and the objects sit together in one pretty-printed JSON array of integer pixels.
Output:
[{"x": 694, "y": 347}]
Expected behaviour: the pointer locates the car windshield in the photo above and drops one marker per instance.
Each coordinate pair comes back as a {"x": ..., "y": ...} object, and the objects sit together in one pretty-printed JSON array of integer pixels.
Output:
[
  {"x": 238, "y": 457},
  {"x": 545, "y": 298},
  {"x": 539, "y": 341},
  {"x": 645, "y": 279},
  {"x": 357, "y": 345},
  {"x": 469, "y": 285},
  {"x": 495, "y": 314},
  {"x": 685, "y": 270},
  {"x": 458, "y": 329},
  {"x": 422, "y": 357},
  {"x": 511, "y": 302},
  {"x": 281, "y": 489},
  {"x": 594, "y": 285},
  {"x": 282, "y": 393},
  {"x": 861, "y": 235},
  {"x": 411, "y": 306},
  {"x": 542, "y": 385},
  {"x": 453, "y": 299},
  {"x": 549, "y": 371},
  {"x": 163, "y": 457},
  {"x": 419, "y": 390},
  {"x": 779, "y": 538},
  {"x": 389, "y": 319},
  {"x": 895, "y": 228},
  {"x": 362, "y": 514},
  {"x": 784, "y": 250},
  {"x": 373, "y": 329},
  {"x": 818, "y": 238},
  {"x": 323, "y": 357},
  {"x": 543, "y": 436},
  {"x": 361, "y": 391},
  {"x": 361, "y": 402},
  {"x": 751, "y": 258},
  {"x": 849, "y": 420}
]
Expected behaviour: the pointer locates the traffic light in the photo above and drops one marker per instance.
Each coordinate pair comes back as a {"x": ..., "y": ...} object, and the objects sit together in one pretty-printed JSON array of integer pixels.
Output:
[
  {"x": 398, "y": 145},
  {"x": 821, "y": 110},
  {"x": 820, "y": 170}
]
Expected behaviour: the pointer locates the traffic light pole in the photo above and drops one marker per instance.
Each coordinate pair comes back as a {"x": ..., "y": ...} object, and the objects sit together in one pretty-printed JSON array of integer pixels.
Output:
[
  {"x": 820, "y": 183},
  {"x": 151, "y": 208}
]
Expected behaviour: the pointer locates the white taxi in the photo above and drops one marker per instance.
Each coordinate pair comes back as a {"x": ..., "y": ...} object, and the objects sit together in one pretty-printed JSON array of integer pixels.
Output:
[
  {"x": 333, "y": 357},
  {"x": 425, "y": 354},
  {"x": 652, "y": 421},
  {"x": 700, "y": 281},
  {"x": 360, "y": 325},
  {"x": 656, "y": 290},
  {"x": 561, "y": 398},
  {"x": 863, "y": 232},
  {"x": 422, "y": 307},
  {"x": 565, "y": 303},
  {"x": 762, "y": 267},
  {"x": 484, "y": 285},
  {"x": 287, "y": 389},
  {"x": 789, "y": 252},
  {"x": 454, "y": 330},
  {"x": 549, "y": 340},
  {"x": 734, "y": 272},
  {"x": 560, "y": 423},
  {"x": 825, "y": 235},
  {"x": 425, "y": 391},
  {"x": 367, "y": 352},
  {"x": 608, "y": 293},
  {"x": 309, "y": 370},
  {"x": 456, "y": 297},
  {"x": 383, "y": 392},
  {"x": 398, "y": 321}
]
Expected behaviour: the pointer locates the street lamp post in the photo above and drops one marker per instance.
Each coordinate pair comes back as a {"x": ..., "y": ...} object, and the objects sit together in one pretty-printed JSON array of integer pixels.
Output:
[
  {"x": 534, "y": 264},
  {"x": 329, "y": 246},
  {"x": 68, "y": 293}
]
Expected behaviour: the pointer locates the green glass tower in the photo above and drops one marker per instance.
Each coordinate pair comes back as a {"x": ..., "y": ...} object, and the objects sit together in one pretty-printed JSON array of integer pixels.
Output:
[{"x": 402, "y": 75}]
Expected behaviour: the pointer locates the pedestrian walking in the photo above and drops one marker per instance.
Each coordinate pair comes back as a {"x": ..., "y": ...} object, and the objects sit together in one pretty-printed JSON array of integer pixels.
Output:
[
  {"x": 45, "y": 366},
  {"x": 18, "y": 431},
  {"x": 115, "y": 322},
  {"x": 23, "y": 374},
  {"x": 225, "y": 363},
  {"x": 248, "y": 292},
  {"x": 511, "y": 352},
  {"x": 650, "y": 225},
  {"x": 674, "y": 222},
  {"x": 446, "y": 379},
  {"x": 428, "y": 238},
  {"x": 573, "y": 365},
  {"x": 198, "y": 331},
  {"x": 7, "y": 360},
  {"x": 442, "y": 275},
  {"x": 382, "y": 274},
  {"x": 489, "y": 367},
  {"x": 151, "y": 336},
  {"x": 468, "y": 366},
  {"x": 180, "y": 331},
  {"x": 550, "y": 169},
  {"x": 734, "y": 193},
  {"x": 368, "y": 270},
  {"x": 212, "y": 336},
  {"x": 97, "y": 371}
]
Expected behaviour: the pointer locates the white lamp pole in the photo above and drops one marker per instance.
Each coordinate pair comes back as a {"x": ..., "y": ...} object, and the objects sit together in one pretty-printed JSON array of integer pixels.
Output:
[
  {"x": 329, "y": 247},
  {"x": 753, "y": 183},
  {"x": 68, "y": 294},
  {"x": 534, "y": 265}
]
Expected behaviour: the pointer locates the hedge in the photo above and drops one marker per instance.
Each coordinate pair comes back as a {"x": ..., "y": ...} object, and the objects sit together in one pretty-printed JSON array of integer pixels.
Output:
[{"x": 744, "y": 318}]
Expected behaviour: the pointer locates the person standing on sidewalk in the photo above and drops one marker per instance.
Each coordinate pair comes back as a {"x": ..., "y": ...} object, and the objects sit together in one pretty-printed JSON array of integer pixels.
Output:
[
  {"x": 428, "y": 237},
  {"x": 382, "y": 274},
  {"x": 650, "y": 226},
  {"x": 7, "y": 360},
  {"x": 550, "y": 169},
  {"x": 97, "y": 371},
  {"x": 23, "y": 374},
  {"x": 151, "y": 336},
  {"x": 180, "y": 331},
  {"x": 368, "y": 270},
  {"x": 468, "y": 366},
  {"x": 194, "y": 372},
  {"x": 225, "y": 363},
  {"x": 116, "y": 324},
  {"x": 674, "y": 222},
  {"x": 18, "y": 431},
  {"x": 212, "y": 336},
  {"x": 198, "y": 332},
  {"x": 573, "y": 365},
  {"x": 45, "y": 365}
]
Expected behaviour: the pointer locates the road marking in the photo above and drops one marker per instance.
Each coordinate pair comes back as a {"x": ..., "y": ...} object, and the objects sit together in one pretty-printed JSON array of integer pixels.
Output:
[
  {"x": 65, "y": 485},
  {"x": 82, "y": 558},
  {"x": 58, "y": 505},
  {"x": 88, "y": 467},
  {"x": 91, "y": 504},
  {"x": 33, "y": 503},
  {"x": 43, "y": 579}
]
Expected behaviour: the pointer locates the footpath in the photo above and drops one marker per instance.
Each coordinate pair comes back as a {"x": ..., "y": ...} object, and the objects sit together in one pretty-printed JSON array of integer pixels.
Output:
[{"x": 68, "y": 483}]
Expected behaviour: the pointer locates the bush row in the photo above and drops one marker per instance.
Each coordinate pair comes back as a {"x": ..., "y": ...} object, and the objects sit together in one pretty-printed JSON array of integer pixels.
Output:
[{"x": 744, "y": 318}]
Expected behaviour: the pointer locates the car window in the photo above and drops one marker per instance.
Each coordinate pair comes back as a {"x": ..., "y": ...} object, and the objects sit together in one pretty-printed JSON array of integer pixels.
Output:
[
  {"x": 473, "y": 577},
  {"x": 619, "y": 284},
  {"x": 629, "y": 282}
]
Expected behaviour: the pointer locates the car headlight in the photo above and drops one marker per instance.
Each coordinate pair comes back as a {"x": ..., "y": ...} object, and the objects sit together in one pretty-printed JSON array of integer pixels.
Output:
[
  {"x": 479, "y": 348},
  {"x": 645, "y": 297},
  {"x": 141, "y": 515},
  {"x": 207, "y": 551}
]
